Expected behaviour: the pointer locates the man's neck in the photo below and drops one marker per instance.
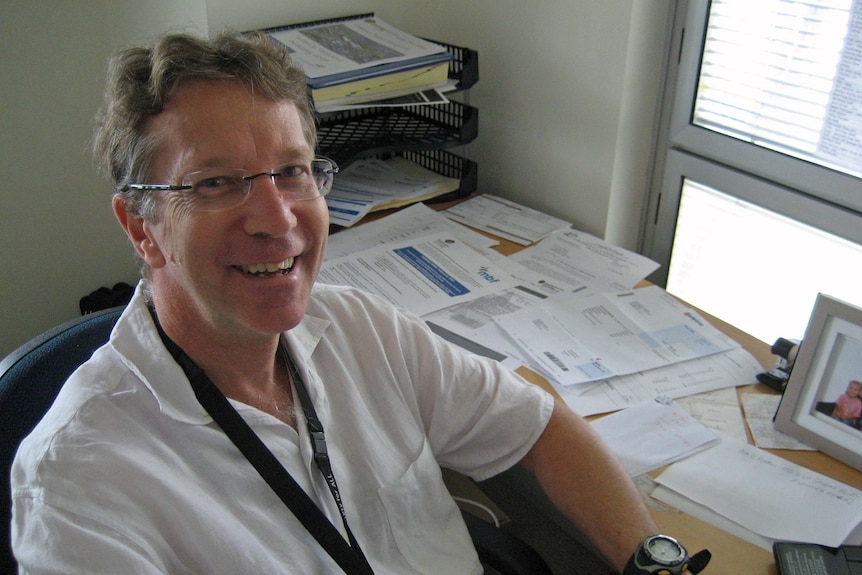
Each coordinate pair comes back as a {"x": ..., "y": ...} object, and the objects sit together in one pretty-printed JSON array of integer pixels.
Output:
[{"x": 249, "y": 370}]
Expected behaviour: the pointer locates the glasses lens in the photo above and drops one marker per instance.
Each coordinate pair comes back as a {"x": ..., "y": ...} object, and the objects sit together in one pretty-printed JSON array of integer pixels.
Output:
[
  {"x": 323, "y": 170},
  {"x": 216, "y": 190}
]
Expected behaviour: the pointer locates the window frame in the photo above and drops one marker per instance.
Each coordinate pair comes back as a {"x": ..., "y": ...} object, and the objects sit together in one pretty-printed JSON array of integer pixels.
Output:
[{"x": 819, "y": 196}]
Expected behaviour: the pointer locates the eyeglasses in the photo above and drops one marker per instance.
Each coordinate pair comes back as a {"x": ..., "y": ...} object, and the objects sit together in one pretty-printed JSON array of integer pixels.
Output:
[{"x": 213, "y": 190}]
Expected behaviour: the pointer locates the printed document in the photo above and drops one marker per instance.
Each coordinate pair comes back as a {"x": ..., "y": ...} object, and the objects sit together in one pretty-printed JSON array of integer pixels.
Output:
[
  {"x": 421, "y": 275},
  {"x": 349, "y": 45},
  {"x": 411, "y": 222},
  {"x": 729, "y": 369},
  {"x": 474, "y": 320},
  {"x": 574, "y": 340},
  {"x": 578, "y": 258},
  {"x": 505, "y": 219},
  {"x": 373, "y": 184}
]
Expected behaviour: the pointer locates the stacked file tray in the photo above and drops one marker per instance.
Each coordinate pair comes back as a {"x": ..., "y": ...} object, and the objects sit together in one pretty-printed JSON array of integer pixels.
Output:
[
  {"x": 464, "y": 67},
  {"x": 358, "y": 133},
  {"x": 450, "y": 165},
  {"x": 420, "y": 133}
]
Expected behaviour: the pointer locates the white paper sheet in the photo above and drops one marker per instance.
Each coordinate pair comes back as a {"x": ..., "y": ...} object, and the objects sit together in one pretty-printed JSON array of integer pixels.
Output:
[
  {"x": 371, "y": 184},
  {"x": 760, "y": 410},
  {"x": 421, "y": 275},
  {"x": 505, "y": 219},
  {"x": 718, "y": 410},
  {"x": 474, "y": 320},
  {"x": 574, "y": 340},
  {"x": 652, "y": 435},
  {"x": 729, "y": 369},
  {"x": 579, "y": 258},
  {"x": 766, "y": 494},
  {"x": 411, "y": 222}
]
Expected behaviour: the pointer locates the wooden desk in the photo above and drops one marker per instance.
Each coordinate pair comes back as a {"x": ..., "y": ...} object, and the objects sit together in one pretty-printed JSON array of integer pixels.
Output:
[{"x": 730, "y": 554}]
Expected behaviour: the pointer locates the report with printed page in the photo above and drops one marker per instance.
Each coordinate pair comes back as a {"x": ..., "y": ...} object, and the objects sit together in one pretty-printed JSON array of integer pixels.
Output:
[
  {"x": 405, "y": 224},
  {"x": 579, "y": 258},
  {"x": 372, "y": 184},
  {"x": 505, "y": 218},
  {"x": 719, "y": 371},
  {"x": 575, "y": 340},
  {"x": 333, "y": 52},
  {"x": 421, "y": 275}
]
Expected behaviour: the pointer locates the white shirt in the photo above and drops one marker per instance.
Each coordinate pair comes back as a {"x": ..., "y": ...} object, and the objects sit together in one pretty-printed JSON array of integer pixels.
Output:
[{"x": 128, "y": 473}]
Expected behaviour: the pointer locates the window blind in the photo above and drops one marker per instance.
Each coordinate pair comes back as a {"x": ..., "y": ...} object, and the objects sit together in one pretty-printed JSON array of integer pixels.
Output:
[{"x": 785, "y": 75}]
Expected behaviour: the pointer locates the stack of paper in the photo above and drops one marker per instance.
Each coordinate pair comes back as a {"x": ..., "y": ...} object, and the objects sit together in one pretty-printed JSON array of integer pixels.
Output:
[
  {"x": 363, "y": 59},
  {"x": 505, "y": 219},
  {"x": 576, "y": 340},
  {"x": 371, "y": 184},
  {"x": 570, "y": 280}
]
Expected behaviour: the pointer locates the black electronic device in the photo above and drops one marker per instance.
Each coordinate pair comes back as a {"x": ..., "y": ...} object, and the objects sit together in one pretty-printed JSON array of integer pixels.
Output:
[{"x": 812, "y": 559}]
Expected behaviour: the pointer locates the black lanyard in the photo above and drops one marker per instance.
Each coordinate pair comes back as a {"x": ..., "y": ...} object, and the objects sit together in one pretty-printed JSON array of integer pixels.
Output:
[{"x": 348, "y": 556}]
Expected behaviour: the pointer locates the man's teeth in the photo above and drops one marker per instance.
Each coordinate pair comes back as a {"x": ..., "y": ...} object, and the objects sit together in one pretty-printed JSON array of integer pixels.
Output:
[{"x": 271, "y": 267}]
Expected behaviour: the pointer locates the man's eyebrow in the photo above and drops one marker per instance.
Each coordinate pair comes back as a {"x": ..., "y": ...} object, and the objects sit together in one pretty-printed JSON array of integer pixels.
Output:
[
  {"x": 303, "y": 154},
  {"x": 219, "y": 162}
]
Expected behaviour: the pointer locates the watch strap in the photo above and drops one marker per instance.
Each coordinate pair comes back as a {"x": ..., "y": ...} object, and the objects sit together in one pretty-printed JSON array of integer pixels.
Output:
[{"x": 699, "y": 561}]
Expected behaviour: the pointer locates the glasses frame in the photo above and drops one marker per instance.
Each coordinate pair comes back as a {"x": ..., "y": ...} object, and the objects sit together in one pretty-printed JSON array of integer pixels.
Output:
[{"x": 330, "y": 170}]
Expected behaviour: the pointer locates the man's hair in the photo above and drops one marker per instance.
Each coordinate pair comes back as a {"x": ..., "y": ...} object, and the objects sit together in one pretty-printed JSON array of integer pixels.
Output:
[{"x": 141, "y": 80}]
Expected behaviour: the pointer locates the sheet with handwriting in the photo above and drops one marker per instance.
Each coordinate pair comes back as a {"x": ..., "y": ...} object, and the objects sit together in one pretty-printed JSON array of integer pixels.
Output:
[
  {"x": 766, "y": 494},
  {"x": 652, "y": 435}
]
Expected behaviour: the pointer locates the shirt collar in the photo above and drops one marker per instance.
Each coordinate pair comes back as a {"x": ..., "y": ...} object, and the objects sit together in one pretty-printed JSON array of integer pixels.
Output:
[{"x": 137, "y": 341}]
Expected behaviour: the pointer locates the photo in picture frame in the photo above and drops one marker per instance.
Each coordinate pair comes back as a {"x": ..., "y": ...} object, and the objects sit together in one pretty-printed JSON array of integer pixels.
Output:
[{"x": 822, "y": 404}]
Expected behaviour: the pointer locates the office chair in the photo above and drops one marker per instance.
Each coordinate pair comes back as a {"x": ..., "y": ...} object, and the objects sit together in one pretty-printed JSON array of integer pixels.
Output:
[
  {"x": 30, "y": 378},
  {"x": 32, "y": 375}
]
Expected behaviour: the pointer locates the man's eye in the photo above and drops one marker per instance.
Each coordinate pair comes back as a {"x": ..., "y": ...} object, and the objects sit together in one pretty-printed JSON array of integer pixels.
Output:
[
  {"x": 216, "y": 182},
  {"x": 291, "y": 171}
]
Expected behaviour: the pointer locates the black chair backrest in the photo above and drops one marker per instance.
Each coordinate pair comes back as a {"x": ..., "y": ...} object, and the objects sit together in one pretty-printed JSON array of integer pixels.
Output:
[{"x": 30, "y": 378}]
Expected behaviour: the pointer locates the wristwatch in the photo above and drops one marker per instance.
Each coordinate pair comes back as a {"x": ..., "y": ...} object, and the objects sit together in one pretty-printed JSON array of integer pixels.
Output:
[{"x": 664, "y": 555}]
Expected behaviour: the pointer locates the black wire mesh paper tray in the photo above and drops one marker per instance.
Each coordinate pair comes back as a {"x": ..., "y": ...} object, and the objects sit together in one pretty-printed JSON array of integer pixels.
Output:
[
  {"x": 445, "y": 163},
  {"x": 464, "y": 66},
  {"x": 450, "y": 165},
  {"x": 348, "y": 135}
]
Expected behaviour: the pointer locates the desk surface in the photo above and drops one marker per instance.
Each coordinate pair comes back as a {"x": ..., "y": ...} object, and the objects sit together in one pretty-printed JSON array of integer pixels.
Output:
[{"x": 730, "y": 554}]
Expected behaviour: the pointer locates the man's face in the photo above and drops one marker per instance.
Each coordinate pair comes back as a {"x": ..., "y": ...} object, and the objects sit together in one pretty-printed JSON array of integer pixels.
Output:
[{"x": 205, "y": 264}]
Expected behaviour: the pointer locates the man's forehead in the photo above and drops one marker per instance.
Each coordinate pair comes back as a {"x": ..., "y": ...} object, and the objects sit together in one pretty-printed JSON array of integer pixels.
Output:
[{"x": 218, "y": 124}]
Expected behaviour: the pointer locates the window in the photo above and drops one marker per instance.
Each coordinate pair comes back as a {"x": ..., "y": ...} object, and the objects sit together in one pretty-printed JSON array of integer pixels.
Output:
[{"x": 756, "y": 203}]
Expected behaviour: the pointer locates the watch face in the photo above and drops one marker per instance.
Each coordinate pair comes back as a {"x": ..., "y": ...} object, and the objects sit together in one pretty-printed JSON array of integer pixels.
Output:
[{"x": 664, "y": 550}]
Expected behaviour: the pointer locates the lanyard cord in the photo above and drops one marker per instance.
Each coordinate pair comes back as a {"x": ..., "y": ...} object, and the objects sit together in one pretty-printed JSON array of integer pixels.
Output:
[{"x": 348, "y": 556}]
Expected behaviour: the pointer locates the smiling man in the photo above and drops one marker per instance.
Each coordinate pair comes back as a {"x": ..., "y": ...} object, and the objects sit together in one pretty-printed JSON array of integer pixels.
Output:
[{"x": 187, "y": 441}]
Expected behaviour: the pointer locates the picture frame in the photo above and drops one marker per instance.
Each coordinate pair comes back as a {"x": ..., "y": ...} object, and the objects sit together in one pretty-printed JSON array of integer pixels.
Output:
[{"x": 828, "y": 367}]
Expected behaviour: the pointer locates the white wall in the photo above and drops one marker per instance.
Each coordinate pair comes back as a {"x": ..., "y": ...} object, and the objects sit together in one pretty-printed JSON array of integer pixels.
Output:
[{"x": 566, "y": 100}]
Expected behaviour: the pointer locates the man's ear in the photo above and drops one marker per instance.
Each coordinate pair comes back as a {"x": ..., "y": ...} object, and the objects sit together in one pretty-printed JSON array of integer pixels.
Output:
[{"x": 140, "y": 233}]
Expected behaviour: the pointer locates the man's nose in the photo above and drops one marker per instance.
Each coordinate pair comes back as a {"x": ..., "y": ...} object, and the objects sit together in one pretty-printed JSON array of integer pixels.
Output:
[{"x": 270, "y": 211}]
